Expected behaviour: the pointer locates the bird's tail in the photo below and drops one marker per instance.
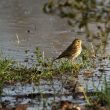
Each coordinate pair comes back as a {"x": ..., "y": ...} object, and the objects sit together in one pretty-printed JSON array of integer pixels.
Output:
[{"x": 54, "y": 60}]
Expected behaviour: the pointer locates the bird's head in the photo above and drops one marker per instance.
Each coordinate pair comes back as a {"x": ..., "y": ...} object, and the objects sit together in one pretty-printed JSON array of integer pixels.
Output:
[{"x": 77, "y": 42}]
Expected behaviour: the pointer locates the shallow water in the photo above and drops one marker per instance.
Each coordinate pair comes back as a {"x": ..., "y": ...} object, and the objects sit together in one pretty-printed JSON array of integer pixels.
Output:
[
  {"x": 24, "y": 26},
  {"x": 47, "y": 93},
  {"x": 33, "y": 28},
  {"x": 50, "y": 92},
  {"x": 60, "y": 88}
]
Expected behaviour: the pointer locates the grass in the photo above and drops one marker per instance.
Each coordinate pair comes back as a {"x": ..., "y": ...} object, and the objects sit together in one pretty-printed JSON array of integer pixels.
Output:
[
  {"x": 11, "y": 73},
  {"x": 100, "y": 99},
  {"x": 105, "y": 96},
  {"x": 4, "y": 67},
  {"x": 87, "y": 12}
]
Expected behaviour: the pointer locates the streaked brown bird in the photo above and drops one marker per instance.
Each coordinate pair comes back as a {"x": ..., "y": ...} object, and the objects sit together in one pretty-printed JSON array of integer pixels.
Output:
[{"x": 73, "y": 51}]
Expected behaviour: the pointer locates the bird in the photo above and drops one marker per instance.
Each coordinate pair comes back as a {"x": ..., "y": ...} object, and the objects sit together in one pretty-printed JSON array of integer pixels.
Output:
[{"x": 72, "y": 51}]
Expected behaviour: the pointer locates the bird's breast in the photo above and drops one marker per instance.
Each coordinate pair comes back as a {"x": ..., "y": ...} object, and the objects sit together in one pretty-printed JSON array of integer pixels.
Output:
[{"x": 76, "y": 52}]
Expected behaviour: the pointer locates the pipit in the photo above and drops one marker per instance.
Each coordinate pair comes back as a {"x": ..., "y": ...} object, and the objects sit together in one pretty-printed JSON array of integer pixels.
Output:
[{"x": 73, "y": 51}]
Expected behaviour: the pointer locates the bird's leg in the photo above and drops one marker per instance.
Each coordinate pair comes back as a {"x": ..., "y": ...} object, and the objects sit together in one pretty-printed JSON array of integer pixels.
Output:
[
  {"x": 72, "y": 62},
  {"x": 72, "y": 66}
]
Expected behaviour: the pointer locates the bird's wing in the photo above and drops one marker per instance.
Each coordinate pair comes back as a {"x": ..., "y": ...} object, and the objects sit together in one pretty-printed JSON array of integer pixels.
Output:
[{"x": 66, "y": 53}]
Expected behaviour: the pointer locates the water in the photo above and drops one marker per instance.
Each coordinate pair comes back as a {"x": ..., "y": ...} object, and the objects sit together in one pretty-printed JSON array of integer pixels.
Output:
[
  {"x": 26, "y": 20},
  {"x": 47, "y": 92}
]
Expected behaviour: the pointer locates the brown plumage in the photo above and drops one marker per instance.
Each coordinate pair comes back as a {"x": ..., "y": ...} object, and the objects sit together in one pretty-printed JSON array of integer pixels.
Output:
[{"x": 72, "y": 51}]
